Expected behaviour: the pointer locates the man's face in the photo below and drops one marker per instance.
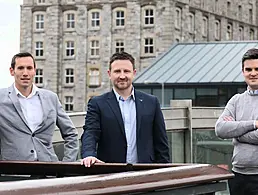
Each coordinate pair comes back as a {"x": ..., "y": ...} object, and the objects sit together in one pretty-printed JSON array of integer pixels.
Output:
[
  {"x": 23, "y": 72},
  {"x": 121, "y": 74},
  {"x": 250, "y": 73}
]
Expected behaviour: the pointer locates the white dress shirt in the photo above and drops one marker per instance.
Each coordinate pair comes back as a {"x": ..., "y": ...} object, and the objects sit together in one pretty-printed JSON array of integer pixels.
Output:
[
  {"x": 128, "y": 112},
  {"x": 31, "y": 109}
]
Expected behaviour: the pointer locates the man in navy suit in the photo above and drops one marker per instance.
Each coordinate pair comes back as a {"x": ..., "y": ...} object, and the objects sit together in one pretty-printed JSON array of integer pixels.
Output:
[{"x": 124, "y": 125}]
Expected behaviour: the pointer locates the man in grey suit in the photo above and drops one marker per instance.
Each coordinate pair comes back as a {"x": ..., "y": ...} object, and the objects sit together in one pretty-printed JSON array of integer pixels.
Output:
[{"x": 29, "y": 115}]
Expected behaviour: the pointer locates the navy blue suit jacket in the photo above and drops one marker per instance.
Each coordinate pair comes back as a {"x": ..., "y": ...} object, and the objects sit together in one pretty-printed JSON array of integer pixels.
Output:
[{"x": 104, "y": 133}]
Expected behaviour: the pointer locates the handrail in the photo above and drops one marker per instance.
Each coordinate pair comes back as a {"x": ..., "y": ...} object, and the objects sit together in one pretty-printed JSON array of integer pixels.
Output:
[{"x": 173, "y": 177}]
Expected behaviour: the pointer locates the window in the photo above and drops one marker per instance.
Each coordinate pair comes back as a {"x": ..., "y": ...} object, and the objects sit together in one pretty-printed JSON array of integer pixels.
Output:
[
  {"x": 69, "y": 50},
  {"x": 119, "y": 45},
  {"x": 39, "y": 21},
  {"x": 217, "y": 30},
  {"x": 191, "y": 22},
  {"x": 94, "y": 79},
  {"x": 70, "y": 20},
  {"x": 41, "y": 1},
  {"x": 94, "y": 18},
  {"x": 94, "y": 48},
  {"x": 69, "y": 103},
  {"x": 148, "y": 15},
  {"x": 39, "y": 50},
  {"x": 251, "y": 34},
  {"x": 39, "y": 77},
  {"x": 148, "y": 46},
  {"x": 240, "y": 12},
  {"x": 229, "y": 35},
  {"x": 228, "y": 7},
  {"x": 251, "y": 15},
  {"x": 69, "y": 76},
  {"x": 205, "y": 26},
  {"x": 178, "y": 17},
  {"x": 240, "y": 33},
  {"x": 119, "y": 17}
]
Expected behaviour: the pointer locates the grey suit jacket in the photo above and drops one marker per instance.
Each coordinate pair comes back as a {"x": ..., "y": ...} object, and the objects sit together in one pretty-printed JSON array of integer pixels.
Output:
[{"x": 17, "y": 140}]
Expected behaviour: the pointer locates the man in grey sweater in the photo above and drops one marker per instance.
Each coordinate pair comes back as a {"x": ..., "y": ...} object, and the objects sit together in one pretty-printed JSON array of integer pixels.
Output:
[{"x": 239, "y": 122}]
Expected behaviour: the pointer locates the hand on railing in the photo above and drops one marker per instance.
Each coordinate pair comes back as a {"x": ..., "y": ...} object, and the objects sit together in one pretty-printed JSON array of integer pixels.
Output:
[{"x": 90, "y": 160}]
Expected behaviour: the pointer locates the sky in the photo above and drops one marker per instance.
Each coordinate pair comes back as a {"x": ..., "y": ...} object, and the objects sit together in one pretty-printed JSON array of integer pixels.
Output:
[{"x": 9, "y": 37}]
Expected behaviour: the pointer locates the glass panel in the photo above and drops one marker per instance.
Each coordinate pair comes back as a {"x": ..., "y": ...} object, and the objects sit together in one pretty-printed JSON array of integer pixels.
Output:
[
  {"x": 185, "y": 93},
  {"x": 146, "y": 90},
  {"x": 176, "y": 146},
  {"x": 208, "y": 148},
  {"x": 207, "y": 91},
  {"x": 168, "y": 96}
]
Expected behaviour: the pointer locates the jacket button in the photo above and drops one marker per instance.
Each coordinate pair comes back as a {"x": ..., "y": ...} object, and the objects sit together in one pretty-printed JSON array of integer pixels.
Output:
[
  {"x": 33, "y": 134},
  {"x": 32, "y": 151}
]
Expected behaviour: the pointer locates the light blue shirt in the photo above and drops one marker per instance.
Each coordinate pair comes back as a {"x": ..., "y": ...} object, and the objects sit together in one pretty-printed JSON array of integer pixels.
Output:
[{"x": 128, "y": 111}]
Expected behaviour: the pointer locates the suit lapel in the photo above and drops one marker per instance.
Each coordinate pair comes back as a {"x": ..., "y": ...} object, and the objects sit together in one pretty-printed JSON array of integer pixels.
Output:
[
  {"x": 114, "y": 105},
  {"x": 139, "y": 104},
  {"x": 43, "y": 101},
  {"x": 17, "y": 105}
]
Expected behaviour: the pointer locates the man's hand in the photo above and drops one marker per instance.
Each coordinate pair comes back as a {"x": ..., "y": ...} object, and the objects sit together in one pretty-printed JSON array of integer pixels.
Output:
[
  {"x": 90, "y": 160},
  {"x": 256, "y": 124},
  {"x": 228, "y": 118}
]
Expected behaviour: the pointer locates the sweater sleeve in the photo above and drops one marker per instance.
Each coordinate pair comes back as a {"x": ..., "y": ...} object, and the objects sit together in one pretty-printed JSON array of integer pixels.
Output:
[
  {"x": 250, "y": 137},
  {"x": 232, "y": 129}
]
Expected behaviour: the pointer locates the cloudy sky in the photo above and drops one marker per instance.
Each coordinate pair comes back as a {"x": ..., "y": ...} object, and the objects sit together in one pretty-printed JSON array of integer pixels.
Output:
[{"x": 9, "y": 37}]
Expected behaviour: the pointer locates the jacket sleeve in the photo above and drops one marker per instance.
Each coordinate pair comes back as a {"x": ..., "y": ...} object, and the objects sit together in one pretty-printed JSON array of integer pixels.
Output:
[
  {"x": 92, "y": 131},
  {"x": 160, "y": 140},
  {"x": 68, "y": 133},
  {"x": 232, "y": 129}
]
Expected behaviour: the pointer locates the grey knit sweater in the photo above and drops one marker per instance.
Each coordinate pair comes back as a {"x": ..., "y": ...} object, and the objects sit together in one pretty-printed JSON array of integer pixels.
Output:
[{"x": 243, "y": 108}]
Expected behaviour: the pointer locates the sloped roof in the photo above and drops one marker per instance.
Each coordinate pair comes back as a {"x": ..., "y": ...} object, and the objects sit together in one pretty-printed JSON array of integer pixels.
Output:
[{"x": 212, "y": 62}]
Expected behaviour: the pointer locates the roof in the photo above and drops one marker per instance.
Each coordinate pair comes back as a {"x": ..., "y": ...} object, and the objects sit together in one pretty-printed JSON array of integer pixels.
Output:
[{"x": 193, "y": 63}]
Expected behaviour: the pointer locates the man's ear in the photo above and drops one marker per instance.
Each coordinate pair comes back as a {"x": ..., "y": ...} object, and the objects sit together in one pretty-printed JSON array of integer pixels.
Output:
[
  {"x": 109, "y": 73},
  {"x": 11, "y": 71}
]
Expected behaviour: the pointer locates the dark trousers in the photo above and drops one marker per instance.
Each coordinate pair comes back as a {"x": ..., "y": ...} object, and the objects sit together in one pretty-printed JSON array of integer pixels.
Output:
[{"x": 243, "y": 184}]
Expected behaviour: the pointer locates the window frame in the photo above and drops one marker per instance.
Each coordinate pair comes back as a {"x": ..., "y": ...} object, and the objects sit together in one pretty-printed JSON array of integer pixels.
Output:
[
  {"x": 69, "y": 24},
  {"x": 39, "y": 77},
  {"x": 178, "y": 18},
  {"x": 95, "y": 20},
  {"x": 149, "y": 17},
  {"x": 69, "y": 76},
  {"x": 40, "y": 49},
  {"x": 217, "y": 31},
  {"x": 94, "y": 77},
  {"x": 39, "y": 22},
  {"x": 69, "y": 48},
  {"x": 119, "y": 48},
  {"x": 68, "y": 104},
  {"x": 115, "y": 18},
  {"x": 95, "y": 48}
]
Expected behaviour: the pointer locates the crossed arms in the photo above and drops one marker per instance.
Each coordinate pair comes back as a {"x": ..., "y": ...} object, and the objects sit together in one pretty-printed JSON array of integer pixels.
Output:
[{"x": 227, "y": 127}]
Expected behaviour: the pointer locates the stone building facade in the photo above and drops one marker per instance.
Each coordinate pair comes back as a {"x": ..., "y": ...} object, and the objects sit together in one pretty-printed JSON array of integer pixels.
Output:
[{"x": 72, "y": 40}]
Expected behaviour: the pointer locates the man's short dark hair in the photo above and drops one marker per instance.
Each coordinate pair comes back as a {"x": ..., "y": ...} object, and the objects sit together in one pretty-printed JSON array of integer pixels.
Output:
[
  {"x": 251, "y": 54},
  {"x": 21, "y": 55},
  {"x": 122, "y": 55}
]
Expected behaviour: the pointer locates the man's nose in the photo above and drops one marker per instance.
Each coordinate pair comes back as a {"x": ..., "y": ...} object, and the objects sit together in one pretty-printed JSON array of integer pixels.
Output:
[
  {"x": 122, "y": 75},
  {"x": 25, "y": 72}
]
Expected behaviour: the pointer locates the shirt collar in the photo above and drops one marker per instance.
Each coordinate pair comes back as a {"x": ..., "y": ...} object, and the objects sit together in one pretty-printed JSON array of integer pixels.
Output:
[
  {"x": 119, "y": 97},
  {"x": 34, "y": 91}
]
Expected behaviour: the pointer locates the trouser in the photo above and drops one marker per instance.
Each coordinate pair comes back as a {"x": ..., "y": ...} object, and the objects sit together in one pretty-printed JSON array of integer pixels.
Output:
[{"x": 243, "y": 184}]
